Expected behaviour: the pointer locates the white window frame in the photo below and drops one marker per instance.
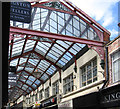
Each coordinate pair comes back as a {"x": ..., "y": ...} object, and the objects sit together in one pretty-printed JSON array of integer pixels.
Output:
[
  {"x": 114, "y": 80},
  {"x": 41, "y": 94},
  {"x": 47, "y": 92},
  {"x": 55, "y": 88},
  {"x": 93, "y": 78},
  {"x": 66, "y": 82}
]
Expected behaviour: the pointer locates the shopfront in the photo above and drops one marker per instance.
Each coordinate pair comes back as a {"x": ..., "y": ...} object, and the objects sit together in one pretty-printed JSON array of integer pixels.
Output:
[
  {"x": 110, "y": 97},
  {"x": 90, "y": 101},
  {"x": 49, "y": 104}
]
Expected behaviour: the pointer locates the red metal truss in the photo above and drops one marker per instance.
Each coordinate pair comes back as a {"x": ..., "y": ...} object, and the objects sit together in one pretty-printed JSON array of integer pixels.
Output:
[
  {"x": 42, "y": 34},
  {"x": 77, "y": 12},
  {"x": 16, "y": 30}
]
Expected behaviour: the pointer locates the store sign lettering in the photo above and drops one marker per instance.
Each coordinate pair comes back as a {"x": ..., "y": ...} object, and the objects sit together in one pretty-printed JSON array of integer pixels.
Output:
[
  {"x": 66, "y": 104},
  {"x": 111, "y": 97},
  {"x": 20, "y": 11}
]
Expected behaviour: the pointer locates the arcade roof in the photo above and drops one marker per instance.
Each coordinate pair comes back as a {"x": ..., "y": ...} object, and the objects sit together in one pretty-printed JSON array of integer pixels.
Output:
[{"x": 57, "y": 33}]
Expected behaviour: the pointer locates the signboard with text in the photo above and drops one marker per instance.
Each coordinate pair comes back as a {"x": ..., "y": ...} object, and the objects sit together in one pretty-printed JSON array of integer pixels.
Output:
[
  {"x": 20, "y": 11},
  {"x": 12, "y": 79}
]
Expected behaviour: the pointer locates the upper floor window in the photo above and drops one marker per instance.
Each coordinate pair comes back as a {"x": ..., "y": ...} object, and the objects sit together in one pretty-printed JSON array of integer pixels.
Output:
[
  {"x": 55, "y": 88},
  {"x": 116, "y": 66},
  {"x": 40, "y": 94},
  {"x": 68, "y": 84},
  {"x": 47, "y": 92},
  {"x": 89, "y": 72},
  {"x": 36, "y": 97}
]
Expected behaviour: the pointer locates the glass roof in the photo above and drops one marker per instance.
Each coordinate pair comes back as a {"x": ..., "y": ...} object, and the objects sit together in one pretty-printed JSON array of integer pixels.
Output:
[{"x": 38, "y": 58}]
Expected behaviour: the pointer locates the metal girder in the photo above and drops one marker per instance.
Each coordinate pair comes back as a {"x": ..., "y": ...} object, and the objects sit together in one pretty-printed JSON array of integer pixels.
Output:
[
  {"x": 22, "y": 50},
  {"x": 47, "y": 60},
  {"x": 53, "y": 9},
  {"x": 22, "y": 89},
  {"x": 26, "y": 84},
  {"x": 19, "y": 56},
  {"x": 56, "y": 36},
  {"x": 30, "y": 74},
  {"x": 64, "y": 52},
  {"x": 11, "y": 49}
]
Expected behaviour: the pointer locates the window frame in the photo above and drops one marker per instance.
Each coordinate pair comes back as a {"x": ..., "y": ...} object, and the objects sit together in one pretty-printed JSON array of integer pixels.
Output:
[
  {"x": 112, "y": 66},
  {"x": 66, "y": 82},
  {"x": 91, "y": 69},
  {"x": 41, "y": 94},
  {"x": 55, "y": 88},
  {"x": 47, "y": 92}
]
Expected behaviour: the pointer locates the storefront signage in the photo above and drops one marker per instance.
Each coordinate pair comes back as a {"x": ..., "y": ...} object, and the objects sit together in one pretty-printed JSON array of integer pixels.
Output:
[
  {"x": 49, "y": 102},
  {"x": 66, "y": 104},
  {"x": 20, "y": 11},
  {"x": 112, "y": 97},
  {"x": 12, "y": 78}
]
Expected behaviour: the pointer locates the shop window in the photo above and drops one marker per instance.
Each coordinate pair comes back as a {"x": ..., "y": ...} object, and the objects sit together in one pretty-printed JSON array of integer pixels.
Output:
[
  {"x": 115, "y": 66},
  {"x": 68, "y": 84},
  {"x": 89, "y": 73},
  {"x": 55, "y": 88},
  {"x": 47, "y": 92}
]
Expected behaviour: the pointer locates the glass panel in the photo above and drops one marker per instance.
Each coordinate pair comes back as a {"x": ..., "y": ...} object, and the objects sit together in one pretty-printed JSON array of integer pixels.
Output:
[
  {"x": 31, "y": 78},
  {"x": 34, "y": 86},
  {"x": 29, "y": 44},
  {"x": 29, "y": 82},
  {"x": 37, "y": 82},
  {"x": 14, "y": 62}
]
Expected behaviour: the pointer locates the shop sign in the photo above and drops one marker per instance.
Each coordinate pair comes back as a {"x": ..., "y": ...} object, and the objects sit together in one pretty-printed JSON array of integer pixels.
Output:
[
  {"x": 66, "y": 104},
  {"x": 49, "y": 102},
  {"x": 20, "y": 11},
  {"x": 112, "y": 97},
  {"x": 12, "y": 79}
]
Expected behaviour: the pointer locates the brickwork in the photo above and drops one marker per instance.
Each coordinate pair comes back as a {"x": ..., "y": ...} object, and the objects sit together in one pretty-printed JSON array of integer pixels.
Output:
[{"x": 112, "y": 47}]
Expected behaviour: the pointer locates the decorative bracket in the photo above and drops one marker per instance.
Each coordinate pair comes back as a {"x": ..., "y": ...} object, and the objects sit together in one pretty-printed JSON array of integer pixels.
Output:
[
  {"x": 99, "y": 50},
  {"x": 60, "y": 75}
]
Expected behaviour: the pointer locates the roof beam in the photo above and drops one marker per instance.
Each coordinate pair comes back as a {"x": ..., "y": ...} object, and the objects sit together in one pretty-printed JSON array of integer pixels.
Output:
[
  {"x": 26, "y": 84},
  {"x": 56, "y": 36},
  {"x": 19, "y": 56},
  {"x": 22, "y": 50},
  {"x": 47, "y": 60},
  {"x": 33, "y": 76},
  {"x": 11, "y": 49},
  {"x": 22, "y": 89}
]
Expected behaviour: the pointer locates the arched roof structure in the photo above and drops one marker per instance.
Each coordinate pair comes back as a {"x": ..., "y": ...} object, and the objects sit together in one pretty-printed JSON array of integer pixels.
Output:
[{"x": 57, "y": 33}]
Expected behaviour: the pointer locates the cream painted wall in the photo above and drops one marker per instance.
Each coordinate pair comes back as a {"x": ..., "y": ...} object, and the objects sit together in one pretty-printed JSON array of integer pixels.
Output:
[{"x": 90, "y": 54}]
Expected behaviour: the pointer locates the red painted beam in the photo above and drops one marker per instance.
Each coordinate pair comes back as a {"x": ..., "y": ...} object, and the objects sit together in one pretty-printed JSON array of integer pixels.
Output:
[
  {"x": 55, "y": 36},
  {"x": 49, "y": 8},
  {"x": 20, "y": 56}
]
